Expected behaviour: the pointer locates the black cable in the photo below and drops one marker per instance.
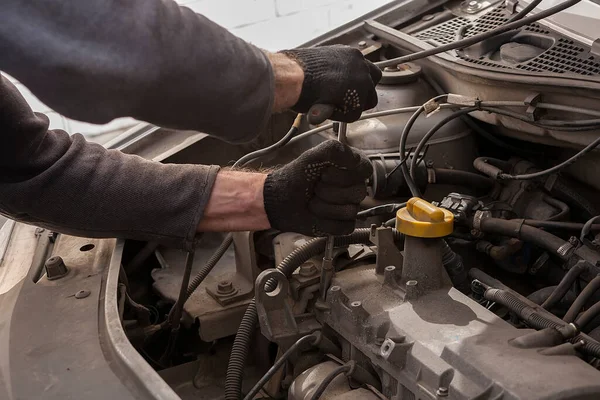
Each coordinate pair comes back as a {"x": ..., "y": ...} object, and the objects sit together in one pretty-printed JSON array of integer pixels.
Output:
[
  {"x": 414, "y": 189},
  {"x": 342, "y": 369},
  {"x": 380, "y": 210},
  {"x": 521, "y": 14},
  {"x": 552, "y": 170},
  {"x": 476, "y": 38},
  {"x": 432, "y": 131},
  {"x": 581, "y": 300},
  {"x": 587, "y": 227},
  {"x": 557, "y": 125},
  {"x": 301, "y": 344}
]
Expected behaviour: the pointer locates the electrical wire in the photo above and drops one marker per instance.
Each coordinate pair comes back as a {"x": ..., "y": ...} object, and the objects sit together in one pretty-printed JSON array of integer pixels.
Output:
[
  {"x": 432, "y": 131},
  {"x": 414, "y": 189},
  {"x": 342, "y": 369},
  {"x": 479, "y": 37},
  {"x": 552, "y": 170},
  {"x": 301, "y": 344},
  {"x": 380, "y": 210},
  {"x": 521, "y": 14}
]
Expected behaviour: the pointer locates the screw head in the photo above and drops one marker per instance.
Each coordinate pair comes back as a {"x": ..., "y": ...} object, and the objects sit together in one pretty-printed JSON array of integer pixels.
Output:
[
  {"x": 427, "y": 17},
  {"x": 362, "y": 43},
  {"x": 356, "y": 304},
  {"x": 442, "y": 391},
  {"x": 82, "y": 294}
]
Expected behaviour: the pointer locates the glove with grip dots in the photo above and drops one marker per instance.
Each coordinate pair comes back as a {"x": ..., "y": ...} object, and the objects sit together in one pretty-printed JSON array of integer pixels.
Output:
[
  {"x": 320, "y": 192},
  {"x": 339, "y": 76}
]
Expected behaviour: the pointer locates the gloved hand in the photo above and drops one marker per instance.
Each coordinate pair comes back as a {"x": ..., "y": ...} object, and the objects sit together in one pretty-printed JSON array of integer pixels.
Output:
[
  {"x": 318, "y": 193},
  {"x": 339, "y": 76}
]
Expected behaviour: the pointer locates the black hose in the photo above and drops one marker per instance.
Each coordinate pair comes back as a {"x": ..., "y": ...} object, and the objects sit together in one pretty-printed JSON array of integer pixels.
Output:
[
  {"x": 562, "y": 191},
  {"x": 558, "y": 225},
  {"x": 581, "y": 300},
  {"x": 588, "y": 316},
  {"x": 241, "y": 343},
  {"x": 491, "y": 167},
  {"x": 177, "y": 309},
  {"x": 301, "y": 344},
  {"x": 587, "y": 227},
  {"x": 517, "y": 229},
  {"x": 210, "y": 264},
  {"x": 342, "y": 369},
  {"x": 533, "y": 315},
  {"x": 372, "y": 28},
  {"x": 462, "y": 178},
  {"x": 432, "y": 131},
  {"x": 414, "y": 189},
  {"x": 564, "y": 286}
]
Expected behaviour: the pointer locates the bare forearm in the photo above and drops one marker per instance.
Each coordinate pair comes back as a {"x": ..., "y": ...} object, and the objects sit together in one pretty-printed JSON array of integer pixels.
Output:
[
  {"x": 289, "y": 77},
  {"x": 236, "y": 203}
]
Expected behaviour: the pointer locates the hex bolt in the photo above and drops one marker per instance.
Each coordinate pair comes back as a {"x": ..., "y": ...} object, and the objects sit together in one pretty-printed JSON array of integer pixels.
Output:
[
  {"x": 307, "y": 270},
  {"x": 362, "y": 43},
  {"x": 356, "y": 304},
  {"x": 225, "y": 287},
  {"x": 82, "y": 294},
  {"x": 55, "y": 268},
  {"x": 442, "y": 391}
]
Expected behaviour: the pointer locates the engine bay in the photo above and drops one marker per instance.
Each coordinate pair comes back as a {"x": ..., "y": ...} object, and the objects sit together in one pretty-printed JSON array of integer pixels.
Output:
[{"x": 474, "y": 268}]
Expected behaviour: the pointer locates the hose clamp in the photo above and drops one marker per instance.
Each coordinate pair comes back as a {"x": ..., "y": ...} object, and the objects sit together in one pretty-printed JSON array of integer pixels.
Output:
[
  {"x": 564, "y": 250},
  {"x": 478, "y": 217}
]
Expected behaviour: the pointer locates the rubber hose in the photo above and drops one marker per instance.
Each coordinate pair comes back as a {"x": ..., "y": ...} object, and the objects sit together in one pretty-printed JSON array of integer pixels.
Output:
[
  {"x": 544, "y": 318},
  {"x": 536, "y": 319},
  {"x": 241, "y": 343},
  {"x": 564, "y": 286},
  {"x": 453, "y": 263},
  {"x": 527, "y": 233},
  {"x": 462, "y": 178},
  {"x": 559, "y": 225},
  {"x": 582, "y": 299},
  {"x": 565, "y": 193},
  {"x": 588, "y": 316},
  {"x": 539, "y": 296},
  {"x": 491, "y": 167}
]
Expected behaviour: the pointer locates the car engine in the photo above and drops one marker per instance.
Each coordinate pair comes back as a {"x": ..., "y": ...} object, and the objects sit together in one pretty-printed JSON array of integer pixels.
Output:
[{"x": 474, "y": 269}]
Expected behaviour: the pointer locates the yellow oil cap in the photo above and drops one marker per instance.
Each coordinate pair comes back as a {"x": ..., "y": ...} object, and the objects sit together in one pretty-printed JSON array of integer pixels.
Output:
[{"x": 422, "y": 219}]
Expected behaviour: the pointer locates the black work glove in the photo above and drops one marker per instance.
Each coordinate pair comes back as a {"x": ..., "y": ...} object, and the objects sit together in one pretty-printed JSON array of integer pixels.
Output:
[
  {"x": 339, "y": 76},
  {"x": 318, "y": 193}
]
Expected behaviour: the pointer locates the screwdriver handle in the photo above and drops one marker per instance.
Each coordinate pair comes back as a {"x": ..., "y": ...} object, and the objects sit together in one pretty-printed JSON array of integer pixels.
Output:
[{"x": 318, "y": 113}]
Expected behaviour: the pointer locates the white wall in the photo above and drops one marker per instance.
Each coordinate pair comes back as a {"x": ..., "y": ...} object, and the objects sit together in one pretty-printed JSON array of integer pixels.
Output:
[{"x": 269, "y": 24}]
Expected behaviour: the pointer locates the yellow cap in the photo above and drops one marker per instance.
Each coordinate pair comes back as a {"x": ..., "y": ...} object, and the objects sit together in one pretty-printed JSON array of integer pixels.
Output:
[{"x": 422, "y": 219}]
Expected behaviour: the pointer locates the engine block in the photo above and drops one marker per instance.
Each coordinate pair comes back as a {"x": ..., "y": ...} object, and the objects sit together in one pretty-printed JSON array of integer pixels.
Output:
[{"x": 443, "y": 344}]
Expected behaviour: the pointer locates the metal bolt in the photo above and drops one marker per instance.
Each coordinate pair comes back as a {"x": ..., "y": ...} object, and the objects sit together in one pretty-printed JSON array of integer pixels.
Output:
[
  {"x": 442, "y": 391},
  {"x": 362, "y": 43},
  {"x": 428, "y": 17},
  {"x": 55, "y": 268},
  {"x": 82, "y": 294},
  {"x": 473, "y": 3},
  {"x": 225, "y": 287},
  {"x": 335, "y": 289},
  {"x": 356, "y": 304},
  {"x": 390, "y": 268},
  {"x": 307, "y": 270}
]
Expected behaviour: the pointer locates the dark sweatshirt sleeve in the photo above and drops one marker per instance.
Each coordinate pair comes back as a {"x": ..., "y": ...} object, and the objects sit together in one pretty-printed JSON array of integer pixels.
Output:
[
  {"x": 153, "y": 60},
  {"x": 64, "y": 183}
]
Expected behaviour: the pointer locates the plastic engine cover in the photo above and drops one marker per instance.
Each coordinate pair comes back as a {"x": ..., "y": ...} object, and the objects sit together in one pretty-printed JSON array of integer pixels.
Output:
[{"x": 444, "y": 345}]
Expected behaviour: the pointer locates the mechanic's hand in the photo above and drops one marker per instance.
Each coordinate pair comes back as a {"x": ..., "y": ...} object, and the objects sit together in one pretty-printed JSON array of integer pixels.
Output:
[
  {"x": 338, "y": 76},
  {"x": 318, "y": 193}
]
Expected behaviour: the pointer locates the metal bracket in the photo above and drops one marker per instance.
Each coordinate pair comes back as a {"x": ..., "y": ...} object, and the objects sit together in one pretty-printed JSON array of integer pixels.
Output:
[
  {"x": 277, "y": 320},
  {"x": 387, "y": 252}
]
